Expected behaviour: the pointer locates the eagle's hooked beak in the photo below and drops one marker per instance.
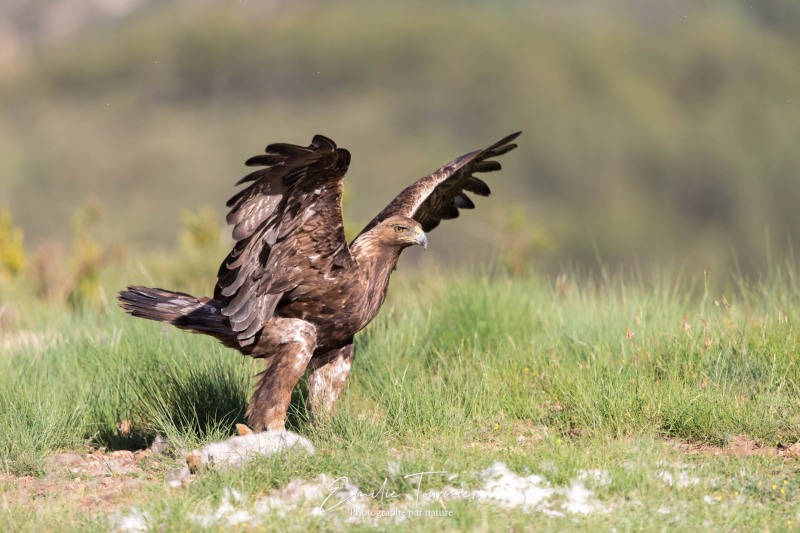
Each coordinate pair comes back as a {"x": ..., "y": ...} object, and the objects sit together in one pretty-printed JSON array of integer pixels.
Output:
[{"x": 421, "y": 238}]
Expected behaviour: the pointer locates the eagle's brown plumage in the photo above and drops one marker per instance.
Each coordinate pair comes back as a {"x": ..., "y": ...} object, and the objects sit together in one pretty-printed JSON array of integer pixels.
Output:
[{"x": 292, "y": 290}]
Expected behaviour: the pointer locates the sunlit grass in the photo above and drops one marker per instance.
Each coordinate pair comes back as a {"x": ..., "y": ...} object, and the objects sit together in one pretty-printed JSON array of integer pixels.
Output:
[{"x": 456, "y": 373}]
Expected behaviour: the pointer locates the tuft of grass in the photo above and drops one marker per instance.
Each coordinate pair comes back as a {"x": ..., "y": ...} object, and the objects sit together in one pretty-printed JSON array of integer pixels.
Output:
[{"x": 35, "y": 422}]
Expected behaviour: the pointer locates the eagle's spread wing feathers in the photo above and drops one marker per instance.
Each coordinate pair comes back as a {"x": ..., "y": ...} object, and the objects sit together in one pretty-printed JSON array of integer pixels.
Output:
[
  {"x": 440, "y": 195},
  {"x": 287, "y": 226}
]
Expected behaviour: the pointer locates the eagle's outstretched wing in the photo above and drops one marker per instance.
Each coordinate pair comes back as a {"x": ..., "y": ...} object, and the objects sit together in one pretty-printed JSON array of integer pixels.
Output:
[
  {"x": 288, "y": 228},
  {"x": 440, "y": 195}
]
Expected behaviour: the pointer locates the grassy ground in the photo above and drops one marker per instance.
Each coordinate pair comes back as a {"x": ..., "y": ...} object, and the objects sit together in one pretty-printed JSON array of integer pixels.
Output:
[{"x": 637, "y": 405}]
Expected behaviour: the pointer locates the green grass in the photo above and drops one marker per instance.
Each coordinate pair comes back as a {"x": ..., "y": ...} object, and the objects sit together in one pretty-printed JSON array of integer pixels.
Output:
[{"x": 551, "y": 378}]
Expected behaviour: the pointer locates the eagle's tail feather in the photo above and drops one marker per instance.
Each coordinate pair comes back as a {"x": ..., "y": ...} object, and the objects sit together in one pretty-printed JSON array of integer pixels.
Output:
[{"x": 179, "y": 309}]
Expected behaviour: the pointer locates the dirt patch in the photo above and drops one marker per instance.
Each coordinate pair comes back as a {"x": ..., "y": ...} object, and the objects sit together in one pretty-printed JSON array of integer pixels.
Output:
[
  {"x": 99, "y": 464},
  {"x": 524, "y": 434},
  {"x": 90, "y": 481},
  {"x": 738, "y": 446}
]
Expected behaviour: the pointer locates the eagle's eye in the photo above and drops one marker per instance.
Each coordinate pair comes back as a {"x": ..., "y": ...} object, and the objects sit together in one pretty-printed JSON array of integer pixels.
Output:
[{"x": 399, "y": 229}]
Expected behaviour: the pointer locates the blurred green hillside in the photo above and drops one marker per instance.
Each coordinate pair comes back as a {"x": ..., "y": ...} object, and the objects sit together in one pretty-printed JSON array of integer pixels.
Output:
[{"x": 653, "y": 133}]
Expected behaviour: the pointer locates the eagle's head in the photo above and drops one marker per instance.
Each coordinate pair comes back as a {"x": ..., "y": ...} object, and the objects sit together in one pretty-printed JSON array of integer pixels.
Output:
[{"x": 400, "y": 232}]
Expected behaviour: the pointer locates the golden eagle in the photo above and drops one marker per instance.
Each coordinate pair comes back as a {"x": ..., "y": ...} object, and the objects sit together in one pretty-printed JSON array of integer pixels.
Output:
[{"x": 293, "y": 290}]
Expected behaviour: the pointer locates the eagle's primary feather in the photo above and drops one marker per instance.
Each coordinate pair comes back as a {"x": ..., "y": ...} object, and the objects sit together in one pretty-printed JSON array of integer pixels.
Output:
[{"x": 292, "y": 290}]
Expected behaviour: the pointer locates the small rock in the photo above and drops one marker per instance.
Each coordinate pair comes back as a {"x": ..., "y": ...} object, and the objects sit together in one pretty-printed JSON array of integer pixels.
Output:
[
  {"x": 141, "y": 454},
  {"x": 70, "y": 460},
  {"x": 160, "y": 445},
  {"x": 179, "y": 478},
  {"x": 242, "y": 448},
  {"x": 123, "y": 455},
  {"x": 793, "y": 450}
]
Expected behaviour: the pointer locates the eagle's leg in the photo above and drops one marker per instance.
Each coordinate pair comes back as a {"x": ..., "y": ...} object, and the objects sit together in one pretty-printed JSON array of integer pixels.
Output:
[
  {"x": 328, "y": 376},
  {"x": 290, "y": 343}
]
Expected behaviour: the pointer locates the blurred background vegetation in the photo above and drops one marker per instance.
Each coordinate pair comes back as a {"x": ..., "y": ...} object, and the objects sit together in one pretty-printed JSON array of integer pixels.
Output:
[{"x": 655, "y": 133}]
